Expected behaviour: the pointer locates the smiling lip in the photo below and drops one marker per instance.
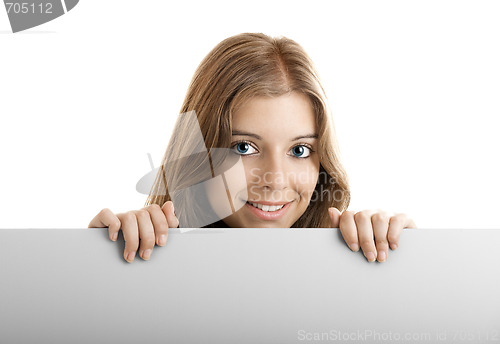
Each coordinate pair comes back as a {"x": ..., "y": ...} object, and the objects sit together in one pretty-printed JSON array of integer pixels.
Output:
[
  {"x": 268, "y": 215},
  {"x": 270, "y": 203}
]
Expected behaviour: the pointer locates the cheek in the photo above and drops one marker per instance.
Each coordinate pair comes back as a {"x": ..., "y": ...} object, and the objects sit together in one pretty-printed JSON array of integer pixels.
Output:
[
  {"x": 236, "y": 180},
  {"x": 306, "y": 180},
  {"x": 252, "y": 175},
  {"x": 227, "y": 192},
  {"x": 217, "y": 197}
]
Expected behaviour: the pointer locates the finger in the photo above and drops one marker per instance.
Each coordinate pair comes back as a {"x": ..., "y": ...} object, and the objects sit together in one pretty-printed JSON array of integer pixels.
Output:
[
  {"x": 106, "y": 218},
  {"x": 334, "y": 214},
  {"x": 146, "y": 233},
  {"x": 130, "y": 234},
  {"x": 396, "y": 225},
  {"x": 365, "y": 233},
  {"x": 348, "y": 230},
  {"x": 168, "y": 210},
  {"x": 380, "y": 223},
  {"x": 160, "y": 224},
  {"x": 410, "y": 224}
]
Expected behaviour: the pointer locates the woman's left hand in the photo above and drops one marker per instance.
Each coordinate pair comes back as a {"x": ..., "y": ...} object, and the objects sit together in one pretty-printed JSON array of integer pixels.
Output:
[{"x": 374, "y": 230}]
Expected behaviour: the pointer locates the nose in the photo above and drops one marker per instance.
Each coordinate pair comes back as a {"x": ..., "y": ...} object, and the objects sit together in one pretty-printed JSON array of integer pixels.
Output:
[{"x": 273, "y": 174}]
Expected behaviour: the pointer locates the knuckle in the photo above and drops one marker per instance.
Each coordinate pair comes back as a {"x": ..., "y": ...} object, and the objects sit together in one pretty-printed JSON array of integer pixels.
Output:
[
  {"x": 397, "y": 220},
  {"x": 379, "y": 218},
  {"x": 142, "y": 214},
  {"x": 346, "y": 217},
  {"x": 153, "y": 207},
  {"x": 359, "y": 216},
  {"x": 116, "y": 223},
  {"x": 131, "y": 245},
  {"x": 349, "y": 236},
  {"x": 104, "y": 210},
  {"x": 380, "y": 242},
  {"x": 148, "y": 243},
  {"x": 366, "y": 243},
  {"x": 393, "y": 237},
  {"x": 162, "y": 227},
  {"x": 148, "y": 238},
  {"x": 128, "y": 217}
]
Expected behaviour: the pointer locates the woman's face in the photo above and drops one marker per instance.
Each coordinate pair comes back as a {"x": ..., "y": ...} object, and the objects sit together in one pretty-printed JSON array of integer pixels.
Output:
[{"x": 277, "y": 140}]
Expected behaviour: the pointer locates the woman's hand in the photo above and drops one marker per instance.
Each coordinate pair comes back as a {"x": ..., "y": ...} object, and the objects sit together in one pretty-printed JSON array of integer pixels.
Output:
[
  {"x": 149, "y": 224},
  {"x": 374, "y": 230}
]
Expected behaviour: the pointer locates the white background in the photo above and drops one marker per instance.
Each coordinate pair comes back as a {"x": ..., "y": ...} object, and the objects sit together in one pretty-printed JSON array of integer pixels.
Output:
[{"x": 413, "y": 85}]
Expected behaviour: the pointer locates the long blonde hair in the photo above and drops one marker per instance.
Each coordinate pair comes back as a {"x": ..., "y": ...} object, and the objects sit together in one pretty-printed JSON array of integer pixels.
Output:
[{"x": 237, "y": 69}]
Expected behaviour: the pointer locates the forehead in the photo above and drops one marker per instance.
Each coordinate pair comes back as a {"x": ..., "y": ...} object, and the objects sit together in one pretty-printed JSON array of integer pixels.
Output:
[{"x": 288, "y": 114}]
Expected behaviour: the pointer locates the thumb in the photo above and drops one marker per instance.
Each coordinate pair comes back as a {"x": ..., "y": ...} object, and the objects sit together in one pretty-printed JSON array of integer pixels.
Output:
[
  {"x": 334, "y": 214},
  {"x": 168, "y": 210}
]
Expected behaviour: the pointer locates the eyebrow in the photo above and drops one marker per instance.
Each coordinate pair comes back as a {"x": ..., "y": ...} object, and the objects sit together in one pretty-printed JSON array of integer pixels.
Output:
[{"x": 244, "y": 133}]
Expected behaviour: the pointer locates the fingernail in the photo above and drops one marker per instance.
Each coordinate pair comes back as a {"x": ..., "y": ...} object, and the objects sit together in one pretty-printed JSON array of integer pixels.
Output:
[
  {"x": 131, "y": 256},
  {"x": 394, "y": 246},
  {"x": 163, "y": 239},
  {"x": 115, "y": 236},
  {"x": 354, "y": 247},
  {"x": 146, "y": 254},
  {"x": 370, "y": 256},
  {"x": 381, "y": 256}
]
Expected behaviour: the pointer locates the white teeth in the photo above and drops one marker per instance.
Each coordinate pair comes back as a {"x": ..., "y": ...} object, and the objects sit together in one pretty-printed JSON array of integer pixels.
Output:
[{"x": 267, "y": 207}]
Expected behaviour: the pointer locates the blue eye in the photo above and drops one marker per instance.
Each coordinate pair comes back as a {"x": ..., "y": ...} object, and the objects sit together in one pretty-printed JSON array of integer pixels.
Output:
[
  {"x": 299, "y": 151},
  {"x": 242, "y": 148}
]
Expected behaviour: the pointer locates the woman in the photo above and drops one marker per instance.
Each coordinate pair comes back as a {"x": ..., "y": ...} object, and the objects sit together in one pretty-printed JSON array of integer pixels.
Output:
[{"x": 258, "y": 99}]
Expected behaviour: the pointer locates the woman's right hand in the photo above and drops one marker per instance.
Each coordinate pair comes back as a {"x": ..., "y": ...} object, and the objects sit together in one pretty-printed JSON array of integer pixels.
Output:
[{"x": 149, "y": 224}]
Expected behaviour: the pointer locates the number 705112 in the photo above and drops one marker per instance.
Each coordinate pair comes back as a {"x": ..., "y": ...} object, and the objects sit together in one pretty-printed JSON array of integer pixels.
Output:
[{"x": 25, "y": 7}]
